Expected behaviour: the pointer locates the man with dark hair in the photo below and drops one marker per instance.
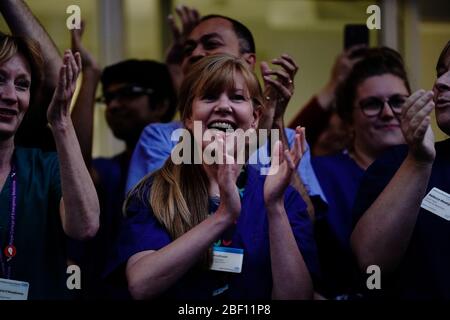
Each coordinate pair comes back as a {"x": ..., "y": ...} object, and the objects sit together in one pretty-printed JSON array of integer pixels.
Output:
[
  {"x": 246, "y": 41},
  {"x": 214, "y": 34},
  {"x": 136, "y": 93},
  {"x": 220, "y": 27}
]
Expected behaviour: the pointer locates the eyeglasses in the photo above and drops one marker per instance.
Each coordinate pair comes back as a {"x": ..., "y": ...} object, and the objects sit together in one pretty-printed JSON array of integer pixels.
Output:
[
  {"x": 372, "y": 106},
  {"x": 124, "y": 92}
]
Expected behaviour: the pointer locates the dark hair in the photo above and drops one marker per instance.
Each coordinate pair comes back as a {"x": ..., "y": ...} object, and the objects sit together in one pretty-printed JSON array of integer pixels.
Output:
[
  {"x": 147, "y": 74},
  {"x": 442, "y": 56},
  {"x": 246, "y": 41},
  {"x": 30, "y": 49},
  {"x": 374, "y": 62}
]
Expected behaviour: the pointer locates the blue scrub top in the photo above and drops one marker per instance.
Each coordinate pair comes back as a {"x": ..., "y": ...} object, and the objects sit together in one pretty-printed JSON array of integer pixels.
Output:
[
  {"x": 339, "y": 176},
  {"x": 158, "y": 139},
  {"x": 142, "y": 231},
  {"x": 423, "y": 273}
]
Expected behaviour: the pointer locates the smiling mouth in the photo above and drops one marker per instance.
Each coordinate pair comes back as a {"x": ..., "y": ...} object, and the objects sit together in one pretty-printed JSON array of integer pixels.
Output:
[
  {"x": 7, "y": 112},
  {"x": 222, "y": 126},
  {"x": 442, "y": 103},
  {"x": 390, "y": 127},
  {"x": 387, "y": 125}
]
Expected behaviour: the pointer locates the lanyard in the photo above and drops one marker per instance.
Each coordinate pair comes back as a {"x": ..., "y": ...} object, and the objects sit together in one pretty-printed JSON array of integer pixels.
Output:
[{"x": 10, "y": 250}]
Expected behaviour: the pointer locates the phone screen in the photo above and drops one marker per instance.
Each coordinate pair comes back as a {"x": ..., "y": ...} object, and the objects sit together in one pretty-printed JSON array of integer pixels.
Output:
[{"x": 355, "y": 34}]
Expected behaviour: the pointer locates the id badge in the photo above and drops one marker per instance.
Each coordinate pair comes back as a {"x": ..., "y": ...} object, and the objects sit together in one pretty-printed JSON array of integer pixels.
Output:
[
  {"x": 227, "y": 259},
  {"x": 13, "y": 290},
  {"x": 437, "y": 202}
]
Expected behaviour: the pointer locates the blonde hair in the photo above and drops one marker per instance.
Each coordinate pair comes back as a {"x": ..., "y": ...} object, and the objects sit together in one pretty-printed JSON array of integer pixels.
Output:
[
  {"x": 179, "y": 193},
  {"x": 214, "y": 75}
]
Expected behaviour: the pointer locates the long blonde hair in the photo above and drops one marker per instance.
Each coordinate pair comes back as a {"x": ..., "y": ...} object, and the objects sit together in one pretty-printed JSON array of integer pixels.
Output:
[{"x": 179, "y": 193}]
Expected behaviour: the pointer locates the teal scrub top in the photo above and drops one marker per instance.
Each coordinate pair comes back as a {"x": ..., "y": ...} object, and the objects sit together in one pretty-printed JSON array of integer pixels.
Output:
[{"x": 39, "y": 237}]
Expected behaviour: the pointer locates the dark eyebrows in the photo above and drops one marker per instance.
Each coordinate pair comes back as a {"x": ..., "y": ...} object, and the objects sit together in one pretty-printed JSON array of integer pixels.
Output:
[
  {"x": 189, "y": 42},
  {"x": 22, "y": 75},
  {"x": 203, "y": 39},
  {"x": 209, "y": 36},
  {"x": 25, "y": 76}
]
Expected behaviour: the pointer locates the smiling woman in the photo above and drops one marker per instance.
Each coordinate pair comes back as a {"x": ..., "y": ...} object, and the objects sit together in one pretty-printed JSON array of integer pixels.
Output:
[
  {"x": 34, "y": 218},
  {"x": 231, "y": 234},
  {"x": 402, "y": 207},
  {"x": 15, "y": 80},
  {"x": 369, "y": 101},
  {"x": 20, "y": 78}
]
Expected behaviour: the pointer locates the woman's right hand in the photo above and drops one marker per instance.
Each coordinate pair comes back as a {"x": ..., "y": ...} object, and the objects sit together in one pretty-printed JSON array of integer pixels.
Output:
[
  {"x": 227, "y": 174},
  {"x": 415, "y": 124}
]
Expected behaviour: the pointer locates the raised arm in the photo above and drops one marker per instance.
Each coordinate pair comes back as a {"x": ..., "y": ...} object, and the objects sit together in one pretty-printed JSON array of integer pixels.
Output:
[
  {"x": 382, "y": 235},
  {"x": 315, "y": 115},
  {"x": 83, "y": 109},
  {"x": 278, "y": 90},
  {"x": 290, "y": 276},
  {"x": 79, "y": 208},
  {"x": 189, "y": 18},
  {"x": 21, "y": 21},
  {"x": 149, "y": 273}
]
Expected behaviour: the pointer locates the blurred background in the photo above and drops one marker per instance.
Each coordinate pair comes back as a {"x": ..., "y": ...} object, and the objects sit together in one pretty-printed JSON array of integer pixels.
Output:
[{"x": 309, "y": 30}]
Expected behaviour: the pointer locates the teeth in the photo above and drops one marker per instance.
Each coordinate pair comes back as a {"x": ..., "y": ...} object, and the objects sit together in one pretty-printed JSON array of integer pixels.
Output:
[
  {"x": 7, "y": 112},
  {"x": 221, "y": 126}
]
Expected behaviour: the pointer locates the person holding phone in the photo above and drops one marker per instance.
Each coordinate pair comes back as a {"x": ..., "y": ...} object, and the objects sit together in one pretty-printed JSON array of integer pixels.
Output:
[{"x": 327, "y": 133}]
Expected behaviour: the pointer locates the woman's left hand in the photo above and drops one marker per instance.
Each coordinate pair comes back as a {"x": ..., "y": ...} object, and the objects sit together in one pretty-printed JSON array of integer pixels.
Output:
[
  {"x": 284, "y": 164},
  {"x": 58, "y": 113}
]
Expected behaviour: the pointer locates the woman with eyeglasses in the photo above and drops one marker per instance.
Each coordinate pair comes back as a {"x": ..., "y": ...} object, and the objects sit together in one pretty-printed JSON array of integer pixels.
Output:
[
  {"x": 403, "y": 204},
  {"x": 369, "y": 103},
  {"x": 45, "y": 197}
]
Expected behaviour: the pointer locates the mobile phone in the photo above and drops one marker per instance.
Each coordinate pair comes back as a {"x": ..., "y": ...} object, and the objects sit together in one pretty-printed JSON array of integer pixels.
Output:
[{"x": 355, "y": 34}]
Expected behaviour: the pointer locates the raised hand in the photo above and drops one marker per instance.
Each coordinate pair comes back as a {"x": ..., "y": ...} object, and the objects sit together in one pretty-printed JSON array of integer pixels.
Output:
[
  {"x": 189, "y": 18},
  {"x": 279, "y": 84},
  {"x": 88, "y": 59},
  {"x": 342, "y": 67},
  {"x": 415, "y": 124},
  {"x": 227, "y": 173},
  {"x": 58, "y": 113},
  {"x": 284, "y": 164},
  {"x": 344, "y": 64}
]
